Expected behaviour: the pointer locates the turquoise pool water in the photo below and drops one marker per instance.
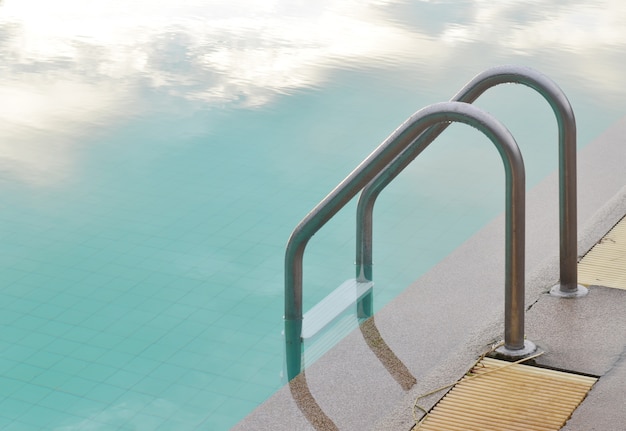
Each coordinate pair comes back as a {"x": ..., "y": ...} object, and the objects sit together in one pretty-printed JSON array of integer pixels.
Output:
[{"x": 154, "y": 158}]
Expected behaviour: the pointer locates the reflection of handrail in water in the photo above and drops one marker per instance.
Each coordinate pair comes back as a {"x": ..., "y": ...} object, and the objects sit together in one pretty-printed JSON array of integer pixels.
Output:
[
  {"x": 308, "y": 405},
  {"x": 401, "y": 139},
  {"x": 386, "y": 356},
  {"x": 567, "y": 175}
]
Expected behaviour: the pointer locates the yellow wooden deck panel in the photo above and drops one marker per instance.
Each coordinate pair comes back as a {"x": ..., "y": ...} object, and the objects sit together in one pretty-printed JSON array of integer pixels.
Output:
[
  {"x": 508, "y": 397},
  {"x": 605, "y": 263}
]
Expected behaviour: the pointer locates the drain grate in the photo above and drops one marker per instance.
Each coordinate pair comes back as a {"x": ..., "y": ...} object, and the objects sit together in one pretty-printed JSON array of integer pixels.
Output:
[
  {"x": 508, "y": 397},
  {"x": 605, "y": 264}
]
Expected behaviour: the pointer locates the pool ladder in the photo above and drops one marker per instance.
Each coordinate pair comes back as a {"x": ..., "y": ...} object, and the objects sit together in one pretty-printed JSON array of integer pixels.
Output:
[{"x": 395, "y": 154}]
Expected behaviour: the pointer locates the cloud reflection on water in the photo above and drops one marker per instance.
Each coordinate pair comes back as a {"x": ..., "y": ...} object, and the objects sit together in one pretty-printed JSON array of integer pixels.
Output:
[
  {"x": 246, "y": 52},
  {"x": 69, "y": 63}
]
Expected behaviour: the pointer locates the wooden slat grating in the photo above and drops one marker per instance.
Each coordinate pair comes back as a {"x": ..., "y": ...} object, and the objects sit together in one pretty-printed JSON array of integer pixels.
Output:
[
  {"x": 498, "y": 395},
  {"x": 605, "y": 263}
]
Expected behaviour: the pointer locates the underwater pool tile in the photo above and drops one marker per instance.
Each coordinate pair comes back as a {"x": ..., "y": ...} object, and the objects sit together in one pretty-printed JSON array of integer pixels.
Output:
[
  {"x": 152, "y": 386},
  {"x": 205, "y": 299},
  {"x": 60, "y": 401},
  {"x": 31, "y": 393},
  {"x": 126, "y": 316},
  {"x": 188, "y": 284},
  {"x": 23, "y": 262},
  {"x": 25, "y": 372},
  {"x": 16, "y": 352},
  {"x": 268, "y": 376},
  {"x": 187, "y": 359},
  {"x": 105, "y": 393},
  {"x": 132, "y": 300},
  {"x": 160, "y": 280},
  {"x": 73, "y": 317},
  {"x": 119, "y": 284},
  {"x": 203, "y": 316},
  {"x": 168, "y": 372},
  {"x": 21, "y": 426},
  {"x": 51, "y": 379},
  {"x": 240, "y": 371},
  {"x": 226, "y": 385},
  {"x": 205, "y": 402},
  {"x": 85, "y": 408},
  {"x": 43, "y": 359},
  {"x": 80, "y": 334},
  {"x": 63, "y": 346},
  {"x": 167, "y": 293},
  {"x": 119, "y": 327},
  {"x": 180, "y": 311},
  {"x": 180, "y": 394},
  {"x": 199, "y": 379},
  {"x": 35, "y": 279},
  {"x": 88, "y": 352},
  {"x": 260, "y": 327},
  {"x": 8, "y": 316},
  {"x": 125, "y": 379},
  {"x": 234, "y": 405},
  {"x": 69, "y": 365},
  {"x": 10, "y": 385},
  {"x": 231, "y": 323},
  {"x": 24, "y": 306},
  {"x": 63, "y": 273},
  {"x": 145, "y": 421},
  {"x": 158, "y": 352},
  {"x": 110, "y": 314},
  {"x": 94, "y": 264},
  {"x": 115, "y": 359},
  {"x": 89, "y": 304},
  {"x": 130, "y": 260},
  {"x": 132, "y": 346},
  {"x": 239, "y": 338},
  {"x": 44, "y": 418},
  {"x": 142, "y": 365},
  {"x": 78, "y": 386},
  {"x": 5, "y": 363},
  {"x": 253, "y": 306},
  {"x": 97, "y": 372},
  {"x": 269, "y": 343},
  {"x": 106, "y": 340},
  {"x": 28, "y": 323},
  {"x": 11, "y": 275},
  {"x": 104, "y": 295},
  {"x": 11, "y": 408},
  {"x": 165, "y": 322},
  {"x": 153, "y": 305},
  {"x": 217, "y": 421},
  {"x": 175, "y": 341},
  {"x": 173, "y": 424},
  {"x": 117, "y": 268},
  {"x": 49, "y": 310}
]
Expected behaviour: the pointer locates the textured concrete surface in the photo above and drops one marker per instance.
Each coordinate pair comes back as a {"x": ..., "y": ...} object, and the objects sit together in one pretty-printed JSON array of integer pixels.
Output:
[
  {"x": 587, "y": 335},
  {"x": 435, "y": 330},
  {"x": 603, "y": 409}
]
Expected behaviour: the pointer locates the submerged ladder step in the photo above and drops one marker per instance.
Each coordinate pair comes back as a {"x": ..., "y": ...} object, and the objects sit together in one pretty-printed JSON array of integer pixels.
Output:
[{"x": 333, "y": 306}]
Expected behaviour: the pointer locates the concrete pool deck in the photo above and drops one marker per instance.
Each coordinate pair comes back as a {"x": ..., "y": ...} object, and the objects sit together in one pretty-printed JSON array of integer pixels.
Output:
[{"x": 437, "y": 328}]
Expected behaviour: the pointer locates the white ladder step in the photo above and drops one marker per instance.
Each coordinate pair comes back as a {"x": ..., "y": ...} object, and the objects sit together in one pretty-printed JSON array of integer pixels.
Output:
[{"x": 333, "y": 306}]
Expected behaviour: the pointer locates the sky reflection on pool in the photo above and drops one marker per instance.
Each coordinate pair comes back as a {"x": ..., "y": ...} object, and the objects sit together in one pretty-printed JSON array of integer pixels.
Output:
[{"x": 155, "y": 155}]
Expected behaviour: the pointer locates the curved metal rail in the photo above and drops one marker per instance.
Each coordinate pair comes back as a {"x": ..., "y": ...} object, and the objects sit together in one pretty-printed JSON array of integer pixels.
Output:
[
  {"x": 402, "y": 139},
  {"x": 568, "y": 286}
]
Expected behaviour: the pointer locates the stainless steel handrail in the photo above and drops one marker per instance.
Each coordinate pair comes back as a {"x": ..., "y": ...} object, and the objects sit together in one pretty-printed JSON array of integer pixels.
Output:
[
  {"x": 568, "y": 285},
  {"x": 403, "y": 138}
]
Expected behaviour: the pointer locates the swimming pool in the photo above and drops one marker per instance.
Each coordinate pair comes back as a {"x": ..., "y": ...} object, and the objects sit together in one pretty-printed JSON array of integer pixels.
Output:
[{"x": 156, "y": 158}]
